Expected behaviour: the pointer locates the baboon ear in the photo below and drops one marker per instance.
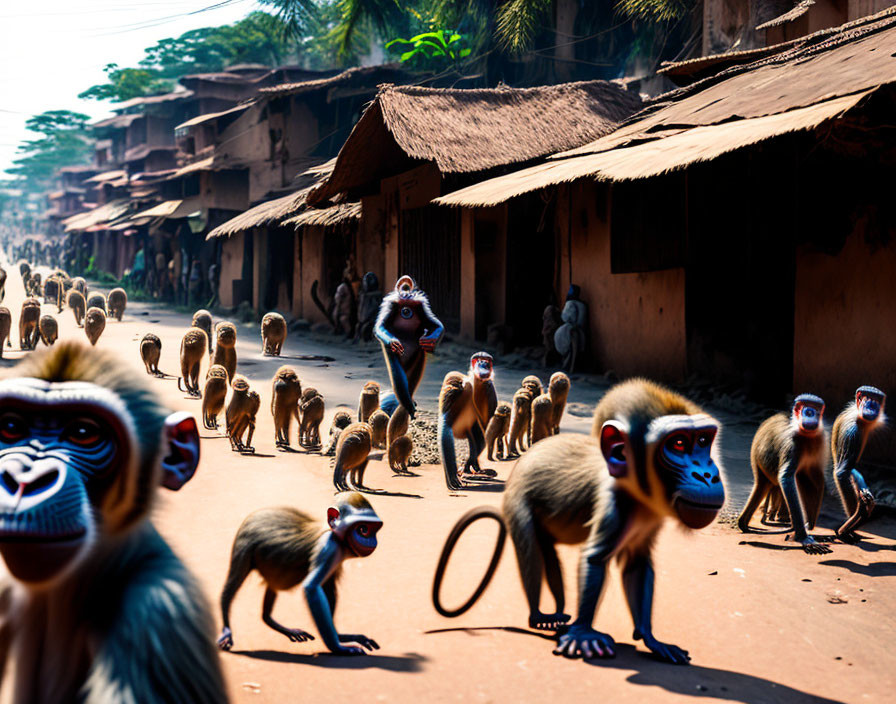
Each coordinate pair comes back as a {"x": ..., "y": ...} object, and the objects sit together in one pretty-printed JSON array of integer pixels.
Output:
[
  {"x": 613, "y": 437},
  {"x": 182, "y": 439},
  {"x": 332, "y": 515}
]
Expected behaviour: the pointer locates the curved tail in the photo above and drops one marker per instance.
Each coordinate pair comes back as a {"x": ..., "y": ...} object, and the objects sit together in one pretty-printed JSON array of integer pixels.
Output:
[{"x": 466, "y": 520}]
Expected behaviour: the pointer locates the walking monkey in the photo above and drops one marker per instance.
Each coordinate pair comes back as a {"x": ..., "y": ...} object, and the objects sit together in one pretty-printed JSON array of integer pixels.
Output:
[
  {"x": 225, "y": 348},
  {"x": 273, "y": 333},
  {"x": 192, "y": 351},
  {"x": 240, "y": 414},
  {"x": 213, "y": 396},
  {"x": 558, "y": 388},
  {"x": 94, "y": 324},
  {"x": 369, "y": 401},
  {"x": 285, "y": 395},
  {"x": 150, "y": 351}
]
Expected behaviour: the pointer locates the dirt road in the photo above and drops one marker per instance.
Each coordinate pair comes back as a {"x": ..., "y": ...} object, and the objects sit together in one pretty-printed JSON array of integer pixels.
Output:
[{"x": 763, "y": 622}]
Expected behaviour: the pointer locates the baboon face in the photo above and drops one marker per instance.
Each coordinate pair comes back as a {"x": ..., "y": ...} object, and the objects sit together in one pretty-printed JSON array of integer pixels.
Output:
[
  {"x": 807, "y": 412},
  {"x": 870, "y": 403},
  {"x": 481, "y": 366}
]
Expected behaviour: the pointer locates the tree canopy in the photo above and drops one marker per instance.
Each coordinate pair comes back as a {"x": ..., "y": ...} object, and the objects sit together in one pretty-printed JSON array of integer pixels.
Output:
[{"x": 63, "y": 141}]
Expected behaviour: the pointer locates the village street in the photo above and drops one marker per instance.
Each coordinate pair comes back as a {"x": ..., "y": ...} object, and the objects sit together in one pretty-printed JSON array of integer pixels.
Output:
[{"x": 763, "y": 622}]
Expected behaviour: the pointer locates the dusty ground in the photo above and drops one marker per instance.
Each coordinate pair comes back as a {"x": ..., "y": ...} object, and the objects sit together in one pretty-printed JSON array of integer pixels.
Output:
[{"x": 763, "y": 622}]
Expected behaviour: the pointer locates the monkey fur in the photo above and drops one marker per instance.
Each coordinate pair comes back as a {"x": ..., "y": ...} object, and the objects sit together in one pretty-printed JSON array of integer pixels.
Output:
[
  {"x": 352, "y": 456},
  {"x": 311, "y": 410},
  {"x": 216, "y": 383},
  {"x": 399, "y": 453},
  {"x": 286, "y": 392},
  {"x": 96, "y": 300},
  {"x": 341, "y": 420},
  {"x": 225, "y": 348},
  {"x": 202, "y": 319},
  {"x": 240, "y": 414},
  {"x": 273, "y": 333},
  {"x": 150, "y": 352},
  {"x": 379, "y": 424},
  {"x": 77, "y": 304},
  {"x": 192, "y": 351},
  {"x": 542, "y": 423},
  {"x": 80, "y": 285},
  {"x": 289, "y": 548},
  {"x": 49, "y": 330},
  {"x": 558, "y": 388},
  {"x": 94, "y": 324},
  {"x": 650, "y": 456},
  {"x": 5, "y": 328},
  {"x": 496, "y": 432},
  {"x": 369, "y": 401},
  {"x": 117, "y": 302},
  {"x": 29, "y": 333},
  {"x": 519, "y": 423}
]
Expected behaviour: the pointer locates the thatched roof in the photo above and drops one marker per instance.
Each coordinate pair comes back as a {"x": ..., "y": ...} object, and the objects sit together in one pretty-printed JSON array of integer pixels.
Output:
[
  {"x": 800, "y": 9},
  {"x": 470, "y": 130},
  {"x": 108, "y": 212},
  {"x": 357, "y": 78},
  {"x": 812, "y": 83},
  {"x": 326, "y": 217}
]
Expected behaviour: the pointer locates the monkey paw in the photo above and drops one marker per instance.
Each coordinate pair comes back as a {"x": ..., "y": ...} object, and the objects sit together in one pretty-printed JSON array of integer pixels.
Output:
[
  {"x": 297, "y": 635},
  {"x": 548, "y": 622},
  {"x": 585, "y": 642},
  {"x": 361, "y": 640},
  {"x": 813, "y": 548},
  {"x": 225, "y": 641},
  {"x": 667, "y": 652},
  {"x": 849, "y": 538},
  {"x": 867, "y": 499}
]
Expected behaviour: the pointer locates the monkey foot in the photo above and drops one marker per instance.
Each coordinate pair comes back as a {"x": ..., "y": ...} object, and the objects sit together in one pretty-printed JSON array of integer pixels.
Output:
[
  {"x": 480, "y": 473},
  {"x": 246, "y": 450},
  {"x": 548, "y": 622},
  {"x": 585, "y": 642},
  {"x": 810, "y": 547},
  {"x": 296, "y": 635},
  {"x": 667, "y": 652},
  {"x": 849, "y": 538}
]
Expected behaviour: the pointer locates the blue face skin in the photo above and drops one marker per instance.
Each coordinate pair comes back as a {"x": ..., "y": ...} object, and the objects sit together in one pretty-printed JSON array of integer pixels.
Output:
[
  {"x": 809, "y": 417},
  {"x": 482, "y": 368},
  {"x": 869, "y": 408},
  {"x": 698, "y": 493}
]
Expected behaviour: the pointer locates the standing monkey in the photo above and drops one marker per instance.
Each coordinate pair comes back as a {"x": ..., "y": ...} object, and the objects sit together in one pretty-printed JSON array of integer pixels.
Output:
[
  {"x": 398, "y": 443},
  {"x": 94, "y": 324},
  {"x": 240, "y": 414},
  {"x": 519, "y": 423},
  {"x": 216, "y": 382},
  {"x": 650, "y": 457},
  {"x": 77, "y": 304},
  {"x": 5, "y": 327},
  {"x": 851, "y": 430},
  {"x": 192, "y": 350},
  {"x": 225, "y": 348},
  {"x": 542, "y": 425},
  {"x": 28, "y": 322},
  {"x": 496, "y": 432},
  {"x": 286, "y": 391},
  {"x": 97, "y": 300},
  {"x": 341, "y": 420},
  {"x": 558, "y": 388},
  {"x": 202, "y": 319},
  {"x": 289, "y": 548},
  {"x": 150, "y": 352},
  {"x": 407, "y": 329},
  {"x": 788, "y": 452},
  {"x": 80, "y": 285},
  {"x": 49, "y": 330},
  {"x": 369, "y": 401},
  {"x": 311, "y": 408},
  {"x": 273, "y": 333},
  {"x": 352, "y": 456},
  {"x": 117, "y": 302},
  {"x": 379, "y": 425},
  {"x": 98, "y": 607}
]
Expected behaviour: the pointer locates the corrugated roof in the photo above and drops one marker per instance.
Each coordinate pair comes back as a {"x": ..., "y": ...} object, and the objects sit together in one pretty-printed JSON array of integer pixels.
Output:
[
  {"x": 155, "y": 99},
  {"x": 171, "y": 209},
  {"x": 107, "y": 176},
  {"x": 141, "y": 151},
  {"x": 118, "y": 121},
  {"x": 105, "y": 213}
]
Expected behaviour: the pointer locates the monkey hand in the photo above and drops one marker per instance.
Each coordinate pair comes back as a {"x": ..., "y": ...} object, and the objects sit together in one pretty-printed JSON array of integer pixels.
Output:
[
  {"x": 665, "y": 651},
  {"x": 225, "y": 640},
  {"x": 810, "y": 547},
  {"x": 584, "y": 641},
  {"x": 362, "y": 641},
  {"x": 396, "y": 347},
  {"x": 428, "y": 344}
]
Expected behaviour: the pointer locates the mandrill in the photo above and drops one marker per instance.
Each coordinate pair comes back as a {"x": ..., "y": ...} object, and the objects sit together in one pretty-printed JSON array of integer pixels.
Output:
[{"x": 650, "y": 457}]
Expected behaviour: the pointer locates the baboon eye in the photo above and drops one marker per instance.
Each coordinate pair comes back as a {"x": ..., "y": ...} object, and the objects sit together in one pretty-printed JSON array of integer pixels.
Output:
[
  {"x": 12, "y": 428},
  {"x": 363, "y": 529},
  {"x": 406, "y": 312},
  {"x": 84, "y": 432},
  {"x": 703, "y": 439},
  {"x": 677, "y": 443}
]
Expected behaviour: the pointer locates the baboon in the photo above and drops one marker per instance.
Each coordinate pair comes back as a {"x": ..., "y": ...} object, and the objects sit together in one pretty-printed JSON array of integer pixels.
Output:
[
  {"x": 80, "y": 285},
  {"x": 202, "y": 319},
  {"x": 216, "y": 382},
  {"x": 379, "y": 422},
  {"x": 398, "y": 425},
  {"x": 369, "y": 401},
  {"x": 54, "y": 291},
  {"x": 311, "y": 408},
  {"x": 150, "y": 351},
  {"x": 94, "y": 324},
  {"x": 273, "y": 333},
  {"x": 289, "y": 548},
  {"x": 519, "y": 423},
  {"x": 225, "y": 350},
  {"x": 558, "y": 388},
  {"x": 49, "y": 330},
  {"x": 28, "y": 324},
  {"x": 5, "y": 328},
  {"x": 352, "y": 456},
  {"x": 97, "y": 300},
  {"x": 86, "y": 570},
  {"x": 399, "y": 453},
  {"x": 650, "y": 457},
  {"x": 788, "y": 452},
  {"x": 341, "y": 420},
  {"x": 496, "y": 432},
  {"x": 240, "y": 414},
  {"x": 542, "y": 424},
  {"x": 78, "y": 306},
  {"x": 287, "y": 390},
  {"x": 192, "y": 350},
  {"x": 532, "y": 384},
  {"x": 117, "y": 302}
]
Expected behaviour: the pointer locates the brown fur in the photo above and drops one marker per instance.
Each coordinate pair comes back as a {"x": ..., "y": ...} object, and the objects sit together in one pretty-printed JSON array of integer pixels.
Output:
[
  {"x": 78, "y": 305},
  {"x": 287, "y": 390},
  {"x": 558, "y": 388},
  {"x": 49, "y": 330},
  {"x": 398, "y": 424},
  {"x": 80, "y": 285},
  {"x": 150, "y": 351},
  {"x": 192, "y": 351},
  {"x": 28, "y": 324},
  {"x": 496, "y": 432},
  {"x": 273, "y": 333},
  {"x": 532, "y": 384},
  {"x": 399, "y": 452},
  {"x": 96, "y": 300},
  {"x": 213, "y": 396},
  {"x": 312, "y": 410},
  {"x": 341, "y": 420},
  {"x": 117, "y": 302},
  {"x": 240, "y": 414},
  {"x": 369, "y": 401},
  {"x": 5, "y": 327},
  {"x": 225, "y": 350},
  {"x": 542, "y": 424},
  {"x": 352, "y": 455},
  {"x": 202, "y": 319},
  {"x": 379, "y": 423},
  {"x": 94, "y": 324},
  {"x": 519, "y": 423}
]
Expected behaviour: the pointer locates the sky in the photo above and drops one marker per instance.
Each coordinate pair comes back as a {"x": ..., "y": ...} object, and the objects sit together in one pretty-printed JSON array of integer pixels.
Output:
[{"x": 51, "y": 50}]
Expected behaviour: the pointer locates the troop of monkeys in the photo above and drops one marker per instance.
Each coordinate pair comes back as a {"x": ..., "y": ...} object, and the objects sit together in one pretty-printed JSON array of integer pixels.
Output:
[{"x": 96, "y": 607}]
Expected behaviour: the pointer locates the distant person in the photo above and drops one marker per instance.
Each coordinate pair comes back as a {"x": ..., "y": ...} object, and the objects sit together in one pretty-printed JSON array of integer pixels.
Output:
[{"x": 570, "y": 336}]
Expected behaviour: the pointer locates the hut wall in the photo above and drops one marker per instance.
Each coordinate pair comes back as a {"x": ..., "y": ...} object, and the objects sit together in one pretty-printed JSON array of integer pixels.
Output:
[
  {"x": 467, "y": 275},
  {"x": 369, "y": 246},
  {"x": 259, "y": 267},
  {"x": 231, "y": 268},
  {"x": 297, "y": 308},
  {"x": 637, "y": 320},
  {"x": 312, "y": 270},
  {"x": 484, "y": 283}
]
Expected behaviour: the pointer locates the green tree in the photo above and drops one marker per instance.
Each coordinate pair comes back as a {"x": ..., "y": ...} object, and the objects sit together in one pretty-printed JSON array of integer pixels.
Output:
[{"x": 63, "y": 141}]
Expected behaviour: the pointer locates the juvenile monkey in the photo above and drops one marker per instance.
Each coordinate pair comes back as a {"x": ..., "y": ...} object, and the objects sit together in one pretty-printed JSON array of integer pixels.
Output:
[
  {"x": 369, "y": 401},
  {"x": 352, "y": 456},
  {"x": 117, "y": 302},
  {"x": 202, "y": 319},
  {"x": 150, "y": 351},
  {"x": 788, "y": 452},
  {"x": 94, "y": 324},
  {"x": 496, "y": 432},
  {"x": 379, "y": 423},
  {"x": 286, "y": 392},
  {"x": 28, "y": 324},
  {"x": 273, "y": 333},
  {"x": 240, "y": 414},
  {"x": 312, "y": 410},
  {"x": 5, "y": 327},
  {"x": 289, "y": 548},
  {"x": 650, "y": 457},
  {"x": 558, "y": 388},
  {"x": 216, "y": 382},
  {"x": 192, "y": 350},
  {"x": 225, "y": 348},
  {"x": 519, "y": 423},
  {"x": 399, "y": 452},
  {"x": 341, "y": 421},
  {"x": 542, "y": 424},
  {"x": 78, "y": 306},
  {"x": 850, "y": 434},
  {"x": 49, "y": 330},
  {"x": 96, "y": 300}
]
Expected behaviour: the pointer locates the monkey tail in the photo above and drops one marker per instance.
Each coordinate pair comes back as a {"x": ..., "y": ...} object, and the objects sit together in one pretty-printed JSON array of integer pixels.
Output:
[
  {"x": 320, "y": 305},
  {"x": 466, "y": 520},
  {"x": 179, "y": 388}
]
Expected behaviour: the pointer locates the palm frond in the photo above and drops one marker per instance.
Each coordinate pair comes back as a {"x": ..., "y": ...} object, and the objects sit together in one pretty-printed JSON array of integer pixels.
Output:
[{"x": 517, "y": 22}]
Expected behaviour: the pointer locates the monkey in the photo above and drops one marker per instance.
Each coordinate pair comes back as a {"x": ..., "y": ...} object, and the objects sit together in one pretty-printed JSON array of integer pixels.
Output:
[
  {"x": 558, "y": 388},
  {"x": 848, "y": 438},
  {"x": 192, "y": 350},
  {"x": 80, "y": 285},
  {"x": 216, "y": 383},
  {"x": 496, "y": 432},
  {"x": 240, "y": 414},
  {"x": 788, "y": 452},
  {"x": 94, "y": 324},
  {"x": 399, "y": 452},
  {"x": 519, "y": 423},
  {"x": 273, "y": 333},
  {"x": 287, "y": 390},
  {"x": 341, "y": 420},
  {"x": 150, "y": 351},
  {"x": 352, "y": 456},
  {"x": 24, "y": 270},
  {"x": 49, "y": 330},
  {"x": 542, "y": 424},
  {"x": 28, "y": 324},
  {"x": 311, "y": 407},
  {"x": 5, "y": 328},
  {"x": 288, "y": 548},
  {"x": 86, "y": 571},
  {"x": 76, "y": 303},
  {"x": 407, "y": 329},
  {"x": 379, "y": 424},
  {"x": 202, "y": 319},
  {"x": 650, "y": 456},
  {"x": 2, "y": 284},
  {"x": 97, "y": 300},
  {"x": 369, "y": 401},
  {"x": 117, "y": 302},
  {"x": 225, "y": 348},
  {"x": 398, "y": 425},
  {"x": 532, "y": 384},
  {"x": 50, "y": 288}
]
